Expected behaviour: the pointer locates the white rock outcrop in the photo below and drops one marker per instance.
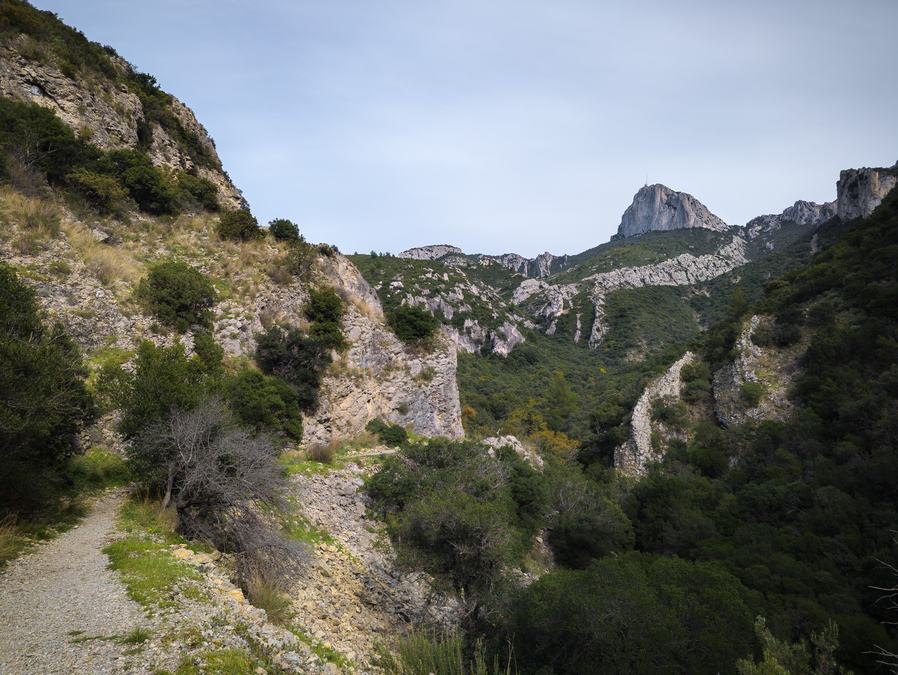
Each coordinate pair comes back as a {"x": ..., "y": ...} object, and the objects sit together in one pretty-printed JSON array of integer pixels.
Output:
[
  {"x": 657, "y": 208},
  {"x": 433, "y": 252},
  {"x": 862, "y": 190},
  {"x": 633, "y": 457},
  {"x": 800, "y": 213}
]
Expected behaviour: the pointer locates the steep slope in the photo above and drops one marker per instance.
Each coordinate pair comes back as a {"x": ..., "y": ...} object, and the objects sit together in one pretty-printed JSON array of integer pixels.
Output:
[
  {"x": 101, "y": 97},
  {"x": 781, "y": 428}
]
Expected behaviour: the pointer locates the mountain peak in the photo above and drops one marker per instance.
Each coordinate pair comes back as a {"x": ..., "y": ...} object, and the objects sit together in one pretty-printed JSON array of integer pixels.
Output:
[
  {"x": 432, "y": 252},
  {"x": 658, "y": 208}
]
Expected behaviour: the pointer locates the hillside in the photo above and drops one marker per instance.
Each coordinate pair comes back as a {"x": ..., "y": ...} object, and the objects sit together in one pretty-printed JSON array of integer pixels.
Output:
[{"x": 227, "y": 449}]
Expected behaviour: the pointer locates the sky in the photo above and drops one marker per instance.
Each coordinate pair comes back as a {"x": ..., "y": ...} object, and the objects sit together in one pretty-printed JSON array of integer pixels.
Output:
[{"x": 516, "y": 125}]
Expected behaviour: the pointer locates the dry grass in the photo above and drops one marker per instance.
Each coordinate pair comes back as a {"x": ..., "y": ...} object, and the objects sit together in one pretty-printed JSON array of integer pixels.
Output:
[
  {"x": 323, "y": 454},
  {"x": 31, "y": 222},
  {"x": 268, "y": 595},
  {"x": 109, "y": 264}
]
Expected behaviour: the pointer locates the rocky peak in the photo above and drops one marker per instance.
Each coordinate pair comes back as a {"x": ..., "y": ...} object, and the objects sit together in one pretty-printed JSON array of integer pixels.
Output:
[
  {"x": 800, "y": 213},
  {"x": 432, "y": 252},
  {"x": 658, "y": 208},
  {"x": 862, "y": 190}
]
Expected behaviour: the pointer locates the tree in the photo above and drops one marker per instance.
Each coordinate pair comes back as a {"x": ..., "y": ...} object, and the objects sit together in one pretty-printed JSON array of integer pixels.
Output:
[
  {"x": 217, "y": 476},
  {"x": 632, "y": 614},
  {"x": 283, "y": 229},
  {"x": 163, "y": 379},
  {"x": 239, "y": 225},
  {"x": 265, "y": 402},
  {"x": 178, "y": 295},
  {"x": 43, "y": 399}
]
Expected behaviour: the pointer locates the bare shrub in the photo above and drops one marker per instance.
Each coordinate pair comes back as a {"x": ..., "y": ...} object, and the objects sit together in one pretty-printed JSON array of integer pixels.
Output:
[
  {"x": 325, "y": 454},
  {"x": 219, "y": 477}
]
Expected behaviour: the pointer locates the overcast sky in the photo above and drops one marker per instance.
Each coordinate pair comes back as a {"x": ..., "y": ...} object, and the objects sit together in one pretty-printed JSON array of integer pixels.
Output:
[{"x": 516, "y": 125}]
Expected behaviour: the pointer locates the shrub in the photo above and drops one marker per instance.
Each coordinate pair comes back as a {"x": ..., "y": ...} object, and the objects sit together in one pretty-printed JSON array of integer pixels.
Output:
[
  {"x": 144, "y": 182},
  {"x": 412, "y": 324},
  {"x": 195, "y": 191},
  {"x": 323, "y": 454},
  {"x": 284, "y": 230},
  {"x": 162, "y": 379},
  {"x": 300, "y": 260},
  {"x": 265, "y": 402},
  {"x": 103, "y": 193},
  {"x": 296, "y": 358},
  {"x": 752, "y": 393},
  {"x": 389, "y": 434},
  {"x": 178, "y": 295},
  {"x": 44, "y": 402},
  {"x": 218, "y": 476},
  {"x": 586, "y": 524},
  {"x": 677, "y": 616},
  {"x": 239, "y": 225}
]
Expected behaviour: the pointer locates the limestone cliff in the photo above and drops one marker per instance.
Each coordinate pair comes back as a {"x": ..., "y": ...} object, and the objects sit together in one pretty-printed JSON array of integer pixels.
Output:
[
  {"x": 800, "y": 213},
  {"x": 433, "y": 252},
  {"x": 862, "y": 190},
  {"x": 657, "y": 208},
  {"x": 633, "y": 457}
]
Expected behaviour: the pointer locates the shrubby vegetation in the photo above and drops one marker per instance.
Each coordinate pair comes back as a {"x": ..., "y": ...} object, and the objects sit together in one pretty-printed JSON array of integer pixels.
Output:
[
  {"x": 38, "y": 149},
  {"x": 283, "y": 229},
  {"x": 301, "y": 358},
  {"x": 178, "y": 295},
  {"x": 783, "y": 520},
  {"x": 239, "y": 225},
  {"x": 43, "y": 400},
  {"x": 412, "y": 324},
  {"x": 389, "y": 434}
]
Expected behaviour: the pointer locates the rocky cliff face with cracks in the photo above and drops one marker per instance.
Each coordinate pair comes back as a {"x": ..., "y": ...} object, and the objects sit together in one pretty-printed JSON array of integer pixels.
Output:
[
  {"x": 862, "y": 190},
  {"x": 633, "y": 457},
  {"x": 657, "y": 208}
]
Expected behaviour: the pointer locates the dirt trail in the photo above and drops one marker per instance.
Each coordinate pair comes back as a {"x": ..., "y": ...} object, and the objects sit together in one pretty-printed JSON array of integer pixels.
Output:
[{"x": 53, "y": 600}]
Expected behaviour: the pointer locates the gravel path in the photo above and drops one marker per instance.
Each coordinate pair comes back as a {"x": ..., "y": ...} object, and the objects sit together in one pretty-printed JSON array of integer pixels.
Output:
[{"x": 61, "y": 588}]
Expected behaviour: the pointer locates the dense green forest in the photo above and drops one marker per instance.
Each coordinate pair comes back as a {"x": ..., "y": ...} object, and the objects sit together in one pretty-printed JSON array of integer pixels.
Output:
[{"x": 790, "y": 521}]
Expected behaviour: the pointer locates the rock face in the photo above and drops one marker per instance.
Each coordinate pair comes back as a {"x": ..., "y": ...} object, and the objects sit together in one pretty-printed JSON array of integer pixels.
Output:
[
  {"x": 800, "y": 213},
  {"x": 657, "y": 208},
  {"x": 773, "y": 369},
  {"x": 109, "y": 113},
  {"x": 862, "y": 190},
  {"x": 378, "y": 377},
  {"x": 432, "y": 252},
  {"x": 634, "y": 456}
]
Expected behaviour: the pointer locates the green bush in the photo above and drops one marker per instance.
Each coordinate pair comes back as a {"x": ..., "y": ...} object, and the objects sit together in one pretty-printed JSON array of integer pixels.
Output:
[
  {"x": 195, "y": 191},
  {"x": 104, "y": 193},
  {"x": 412, "y": 324},
  {"x": 178, "y": 295},
  {"x": 283, "y": 229},
  {"x": 633, "y": 614},
  {"x": 43, "y": 399},
  {"x": 389, "y": 434},
  {"x": 298, "y": 359},
  {"x": 265, "y": 402},
  {"x": 239, "y": 225},
  {"x": 752, "y": 393},
  {"x": 163, "y": 379}
]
